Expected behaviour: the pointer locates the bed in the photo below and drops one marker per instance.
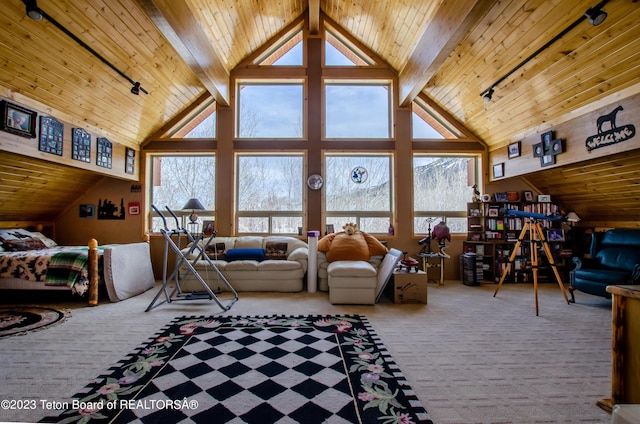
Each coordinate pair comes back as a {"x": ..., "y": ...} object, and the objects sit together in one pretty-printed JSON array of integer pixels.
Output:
[{"x": 31, "y": 261}]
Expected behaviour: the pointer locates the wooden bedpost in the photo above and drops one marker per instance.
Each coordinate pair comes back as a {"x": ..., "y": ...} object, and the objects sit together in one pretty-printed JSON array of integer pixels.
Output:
[{"x": 93, "y": 272}]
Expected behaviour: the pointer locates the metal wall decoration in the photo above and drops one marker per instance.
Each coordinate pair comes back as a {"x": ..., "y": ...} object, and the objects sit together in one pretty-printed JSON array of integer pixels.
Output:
[
  {"x": 548, "y": 148},
  {"x": 81, "y": 145},
  {"x": 104, "y": 155},
  {"x": 108, "y": 210},
  {"x": 130, "y": 161},
  {"x": 613, "y": 134},
  {"x": 51, "y": 135},
  {"x": 18, "y": 120}
]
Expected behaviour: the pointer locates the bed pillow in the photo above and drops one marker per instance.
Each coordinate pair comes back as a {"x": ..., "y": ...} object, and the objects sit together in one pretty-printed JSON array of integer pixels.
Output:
[
  {"x": 21, "y": 245},
  {"x": 245, "y": 254},
  {"x": 46, "y": 240},
  {"x": 14, "y": 234}
]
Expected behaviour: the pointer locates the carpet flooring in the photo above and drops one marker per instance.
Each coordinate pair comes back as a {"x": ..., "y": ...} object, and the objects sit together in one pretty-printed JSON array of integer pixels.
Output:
[{"x": 469, "y": 357}]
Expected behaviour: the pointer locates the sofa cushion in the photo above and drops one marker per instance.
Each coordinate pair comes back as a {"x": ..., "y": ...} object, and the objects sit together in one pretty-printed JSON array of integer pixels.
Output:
[
  {"x": 275, "y": 265},
  {"x": 351, "y": 269},
  {"x": 21, "y": 245},
  {"x": 619, "y": 257},
  {"x": 244, "y": 254}
]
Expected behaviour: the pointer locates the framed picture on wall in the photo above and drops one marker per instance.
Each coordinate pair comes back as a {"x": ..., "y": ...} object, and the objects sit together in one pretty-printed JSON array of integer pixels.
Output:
[
  {"x": 87, "y": 211},
  {"x": 80, "y": 145},
  {"x": 51, "y": 134},
  {"x": 514, "y": 150},
  {"x": 130, "y": 161},
  {"x": 104, "y": 154},
  {"x": 18, "y": 120},
  {"x": 498, "y": 170}
]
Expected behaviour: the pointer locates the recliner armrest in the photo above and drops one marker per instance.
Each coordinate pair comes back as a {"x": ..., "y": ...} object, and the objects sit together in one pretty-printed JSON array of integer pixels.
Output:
[{"x": 587, "y": 263}]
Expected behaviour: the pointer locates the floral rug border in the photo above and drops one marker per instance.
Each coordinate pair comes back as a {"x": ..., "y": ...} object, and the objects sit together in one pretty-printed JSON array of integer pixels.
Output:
[{"x": 380, "y": 391}]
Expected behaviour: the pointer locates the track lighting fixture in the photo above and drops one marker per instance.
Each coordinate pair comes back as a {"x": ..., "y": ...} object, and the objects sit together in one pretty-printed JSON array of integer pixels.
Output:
[
  {"x": 35, "y": 13},
  {"x": 32, "y": 10},
  {"x": 487, "y": 95},
  {"x": 595, "y": 15}
]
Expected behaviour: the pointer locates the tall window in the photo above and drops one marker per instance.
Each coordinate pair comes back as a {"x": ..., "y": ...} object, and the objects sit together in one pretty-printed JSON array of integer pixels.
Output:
[
  {"x": 269, "y": 193},
  {"x": 441, "y": 191},
  {"x": 358, "y": 110},
  {"x": 176, "y": 179},
  {"x": 270, "y": 110},
  {"x": 359, "y": 189}
]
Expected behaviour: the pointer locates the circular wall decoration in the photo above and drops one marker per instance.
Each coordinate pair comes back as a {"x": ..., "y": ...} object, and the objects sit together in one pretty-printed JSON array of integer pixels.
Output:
[
  {"x": 315, "y": 181},
  {"x": 359, "y": 175}
]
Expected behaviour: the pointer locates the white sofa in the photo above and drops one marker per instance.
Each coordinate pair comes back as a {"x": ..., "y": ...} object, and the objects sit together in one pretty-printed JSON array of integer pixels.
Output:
[{"x": 282, "y": 270}]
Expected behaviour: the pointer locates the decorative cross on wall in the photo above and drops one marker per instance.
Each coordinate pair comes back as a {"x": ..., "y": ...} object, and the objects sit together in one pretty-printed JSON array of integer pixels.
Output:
[{"x": 548, "y": 148}]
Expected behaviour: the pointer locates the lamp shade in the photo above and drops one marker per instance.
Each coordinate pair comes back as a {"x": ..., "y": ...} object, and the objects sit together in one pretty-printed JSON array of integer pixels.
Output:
[
  {"x": 573, "y": 217},
  {"x": 193, "y": 204}
]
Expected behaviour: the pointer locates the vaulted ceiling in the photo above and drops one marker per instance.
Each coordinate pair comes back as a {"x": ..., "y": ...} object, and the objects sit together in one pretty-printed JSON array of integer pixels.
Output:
[{"x": 451, "y": 51}]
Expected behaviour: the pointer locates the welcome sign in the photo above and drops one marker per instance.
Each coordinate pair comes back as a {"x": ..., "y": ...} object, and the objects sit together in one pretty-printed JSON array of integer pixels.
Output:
[{"x": 611, "y": 136}]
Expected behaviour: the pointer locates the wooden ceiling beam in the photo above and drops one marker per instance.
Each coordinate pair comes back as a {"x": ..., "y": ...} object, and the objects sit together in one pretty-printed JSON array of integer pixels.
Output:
[
  {"x": 178, "y": 24},
  {"x": 451, "y": 23},
  {"x": 314, "y": 17}
]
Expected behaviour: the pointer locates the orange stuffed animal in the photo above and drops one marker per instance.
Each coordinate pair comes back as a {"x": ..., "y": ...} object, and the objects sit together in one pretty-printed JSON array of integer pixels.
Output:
[{"x": 350, "y": 245}]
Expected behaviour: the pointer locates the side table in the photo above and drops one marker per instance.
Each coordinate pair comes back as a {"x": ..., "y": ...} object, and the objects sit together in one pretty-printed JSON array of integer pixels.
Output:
[{"x": 426, "y": 257}]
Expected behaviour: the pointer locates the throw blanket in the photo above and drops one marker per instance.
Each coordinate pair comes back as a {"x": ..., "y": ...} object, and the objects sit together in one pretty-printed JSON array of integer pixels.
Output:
[{"x": 55, "y": 266}]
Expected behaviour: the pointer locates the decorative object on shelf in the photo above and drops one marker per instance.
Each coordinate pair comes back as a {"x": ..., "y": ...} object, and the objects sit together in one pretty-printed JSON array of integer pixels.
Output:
[
  {"x": 51, "y": 135},
  {"x": 315, "y": 181},
  {"x": 514, "y": 150},
  {"x": 104, "y": 154},
  {"x": 544, "y": 198},
  {"x": 476, "y": 194},
  {"x": 359, "y": 174},
  {"x": 555, "y": 234},
  {"x": 35, "y": 13},
  {"x": 528, "y": 196},
  {"x": 18, "y": 120},
  {"x": 502, "y": 197},
  {"x": 611, "y": 136},
  {"x": 513, "y": 196},
  {"x": 130, "y": 161},
  {"x": 193, "y": 204},
  {"x": 498, "y": 170},
  {"x": 208, "y": 227},
  {"x": 81, "y": 145},
  {"x": 486, "y": 197}
]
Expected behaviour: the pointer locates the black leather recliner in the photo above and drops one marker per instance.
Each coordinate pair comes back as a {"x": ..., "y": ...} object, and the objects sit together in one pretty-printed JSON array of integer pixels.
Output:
[{"x": 615, "y": 260}]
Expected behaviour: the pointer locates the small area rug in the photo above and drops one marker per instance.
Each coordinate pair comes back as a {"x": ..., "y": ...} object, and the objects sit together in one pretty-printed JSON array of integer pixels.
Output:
[
  {"x": 22, "y": 319},
  {"x": 269, "y": 369}
]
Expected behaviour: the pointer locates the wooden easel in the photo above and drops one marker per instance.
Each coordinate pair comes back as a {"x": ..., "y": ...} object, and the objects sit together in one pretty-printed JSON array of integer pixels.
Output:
[{"x": 536, "y": 235}]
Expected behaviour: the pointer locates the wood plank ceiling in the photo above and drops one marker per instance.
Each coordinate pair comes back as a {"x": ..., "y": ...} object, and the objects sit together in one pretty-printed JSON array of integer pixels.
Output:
[{"x": 451, "y": 51}]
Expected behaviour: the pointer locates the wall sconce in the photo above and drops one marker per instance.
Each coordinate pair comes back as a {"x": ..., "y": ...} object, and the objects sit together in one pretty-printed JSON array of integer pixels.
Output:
[
  {"x": 595, "y": 15},
  {"x": 35, "y": 13}
]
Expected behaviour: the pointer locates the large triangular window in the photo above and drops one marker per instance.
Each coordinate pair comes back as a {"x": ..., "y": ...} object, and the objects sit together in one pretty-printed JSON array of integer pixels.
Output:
[
  {"x": 338, "y": 51},
  {"x": 201, "y": 123},
  {"x": 288, "y": 50},
  {"x": 427, "y": 124}
]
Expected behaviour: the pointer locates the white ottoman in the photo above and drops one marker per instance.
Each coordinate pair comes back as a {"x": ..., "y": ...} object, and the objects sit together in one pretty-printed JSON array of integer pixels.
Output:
[
  {"x": 625, "y": 414},
  {"x": 352, "y": 282}
]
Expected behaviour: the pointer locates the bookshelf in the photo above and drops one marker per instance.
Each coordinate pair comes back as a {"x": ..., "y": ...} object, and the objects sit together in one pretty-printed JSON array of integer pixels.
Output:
[{"x": 492, "y": 236}]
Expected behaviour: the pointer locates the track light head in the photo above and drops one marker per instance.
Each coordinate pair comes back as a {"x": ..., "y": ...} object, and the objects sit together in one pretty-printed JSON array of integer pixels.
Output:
[
  {"x": 596, "y": 15},
  {"x": 33, "y": 11},
  {"x": 487, "y": 95},
  {"x": 136, "y": 89}
]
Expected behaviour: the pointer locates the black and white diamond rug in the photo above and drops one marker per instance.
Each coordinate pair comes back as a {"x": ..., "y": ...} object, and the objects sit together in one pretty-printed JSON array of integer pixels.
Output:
[{"x": 270, "y": 369}]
